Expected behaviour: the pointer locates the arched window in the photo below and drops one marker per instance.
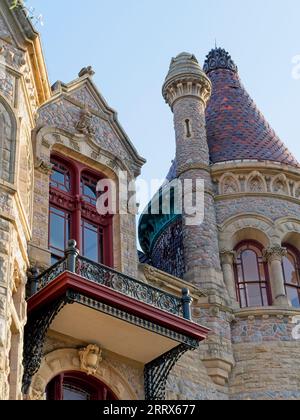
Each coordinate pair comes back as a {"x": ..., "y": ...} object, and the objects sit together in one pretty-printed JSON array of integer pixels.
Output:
[
  {"x": 7, "y": 144},
  {"x": 291, "y": 272},
  {"x": 252, "y": 279},
  {"x": 76, "y": 386},
  {"x": 73, "y": 213}
]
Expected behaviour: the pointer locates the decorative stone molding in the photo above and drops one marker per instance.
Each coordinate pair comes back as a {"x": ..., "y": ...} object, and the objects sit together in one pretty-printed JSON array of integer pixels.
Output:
[
  {"x": 85, "y": 123},
  {"x": 257, "y": 182},
  {"x": 64, "y": 360},
  {"x": 43, "y": 167},
  {"x": 228, "y": 257},
  {"x": 90, "y": 359},
  {"x": 229, "y": 184},
  {"x": 280, "y": 185},
  {"x": 169, "y": 283},
  {"x": 86, "y": 71},
  {"x": 275, "y": 253},
  {"x": 231, "y": 229},
  {"x": 186, "y": 79}
]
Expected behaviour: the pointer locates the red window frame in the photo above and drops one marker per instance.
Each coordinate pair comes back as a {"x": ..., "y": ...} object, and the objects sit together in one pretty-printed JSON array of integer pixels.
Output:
[
  {"x": 76, "y": 204},
  {"x": 90, "y": 385},
  {"x": 263, "y": 283},
  {"x": 295, "y": 255}
]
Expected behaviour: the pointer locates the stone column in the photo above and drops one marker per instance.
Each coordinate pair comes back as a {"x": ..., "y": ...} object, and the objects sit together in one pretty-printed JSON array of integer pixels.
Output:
[
  {"x": 187, "y": 90},
  {"x": 227, "y": 261},
  {"x": 274, "y": 256}
]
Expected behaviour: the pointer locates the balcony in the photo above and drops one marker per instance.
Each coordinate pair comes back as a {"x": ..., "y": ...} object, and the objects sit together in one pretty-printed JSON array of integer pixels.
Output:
[{"x": 94, "y": 303}]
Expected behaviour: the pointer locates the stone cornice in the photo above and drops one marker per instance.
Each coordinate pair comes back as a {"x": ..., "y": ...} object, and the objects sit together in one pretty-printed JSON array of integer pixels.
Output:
[
  {"x": 247, "y": 166},
  {"x": 170, "y": 283},
  {"x": 187, "y": 86},
  {"x": 262, "y": 195}
]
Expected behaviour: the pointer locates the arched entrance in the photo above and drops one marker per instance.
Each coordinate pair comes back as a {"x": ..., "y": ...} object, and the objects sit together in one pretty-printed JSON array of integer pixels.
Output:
[{"x": 78, "y": 386}]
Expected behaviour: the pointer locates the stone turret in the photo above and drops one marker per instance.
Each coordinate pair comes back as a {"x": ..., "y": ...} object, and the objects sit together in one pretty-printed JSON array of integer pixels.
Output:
[{"x": 187, "y": 90}]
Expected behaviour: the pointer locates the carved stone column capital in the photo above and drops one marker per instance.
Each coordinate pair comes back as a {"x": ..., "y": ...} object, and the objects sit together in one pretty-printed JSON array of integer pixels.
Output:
[
  {"x": 275, "y": 253},
  {"x": 228, "y": 257}
]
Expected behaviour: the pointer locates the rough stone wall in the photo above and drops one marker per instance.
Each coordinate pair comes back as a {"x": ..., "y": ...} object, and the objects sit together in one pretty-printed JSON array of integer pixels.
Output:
[
  {"x": 271, "y": 207},
  {"x": 200, "y": 240},
  {"x": 12, "y": 306},
  {"x": 189, "y": 381},
  {"x": 18, "y": 103},
  {"x": 266, "y": 358}
]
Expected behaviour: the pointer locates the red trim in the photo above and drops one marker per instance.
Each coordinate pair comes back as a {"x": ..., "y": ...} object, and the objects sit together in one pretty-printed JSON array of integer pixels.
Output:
[
  {"x": 74, "y": 203},
  {"x": 260, "y": 247},
  {"x": 95, "y": 388},
  {"x": 68, "y": 281},
  {"x": 292, "y": 251}
]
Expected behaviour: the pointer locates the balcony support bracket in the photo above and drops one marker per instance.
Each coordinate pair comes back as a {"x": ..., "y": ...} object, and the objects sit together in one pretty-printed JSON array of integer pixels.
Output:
[
  {"x": 35, "y": 332},
  {"x": 156, "y": 373}
]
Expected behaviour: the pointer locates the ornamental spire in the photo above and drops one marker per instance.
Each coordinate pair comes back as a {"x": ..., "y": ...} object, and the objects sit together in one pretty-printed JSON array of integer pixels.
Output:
[{"x": 219, "y": 58}]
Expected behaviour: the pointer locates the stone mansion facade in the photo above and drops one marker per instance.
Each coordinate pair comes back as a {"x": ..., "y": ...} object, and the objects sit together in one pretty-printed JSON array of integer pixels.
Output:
[{"x": 205, "y": 312}]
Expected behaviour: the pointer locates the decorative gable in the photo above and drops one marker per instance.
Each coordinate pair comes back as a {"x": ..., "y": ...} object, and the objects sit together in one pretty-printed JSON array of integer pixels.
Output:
[{"x": 80, "y": 110}]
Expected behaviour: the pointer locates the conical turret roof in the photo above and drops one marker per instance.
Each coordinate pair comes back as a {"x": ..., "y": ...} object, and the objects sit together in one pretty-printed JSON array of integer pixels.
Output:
[{"x": 236, "y": 129}]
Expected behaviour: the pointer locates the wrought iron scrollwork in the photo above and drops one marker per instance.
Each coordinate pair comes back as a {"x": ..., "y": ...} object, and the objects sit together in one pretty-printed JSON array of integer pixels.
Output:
[
  {"x": 37, "y": 282},
  {"x": 35, "y": 332},
  {"x": 157, "y": 372},
  {"x": 129, "y": 286}
]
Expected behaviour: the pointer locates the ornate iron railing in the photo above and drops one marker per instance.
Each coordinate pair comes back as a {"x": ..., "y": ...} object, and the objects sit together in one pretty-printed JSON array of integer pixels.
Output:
[
  {"x": 129, "y": 286},
  {"x": 38, "y": 281},
  {"x": 105, "y": 276}
]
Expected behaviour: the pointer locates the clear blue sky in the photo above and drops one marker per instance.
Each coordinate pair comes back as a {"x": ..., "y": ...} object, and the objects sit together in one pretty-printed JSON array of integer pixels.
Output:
[{"x": 130, "y": 43}]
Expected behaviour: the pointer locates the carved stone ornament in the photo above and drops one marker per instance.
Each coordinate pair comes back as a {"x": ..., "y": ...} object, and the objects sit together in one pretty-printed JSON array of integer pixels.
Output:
[
  {"x": 90, "y": 359},
  {"x": 85, "y": 123},
  {"x": 42, "y": 166},
  {"x": 228, "y": 256},
  {"x": 275, "y": 253},
  {"x": 86, "y": 71}
]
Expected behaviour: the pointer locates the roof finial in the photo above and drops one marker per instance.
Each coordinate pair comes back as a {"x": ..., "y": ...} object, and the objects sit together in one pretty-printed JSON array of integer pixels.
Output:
[
  {"x": 216, "y": 45},
  {"x": 218, "y": 58}
]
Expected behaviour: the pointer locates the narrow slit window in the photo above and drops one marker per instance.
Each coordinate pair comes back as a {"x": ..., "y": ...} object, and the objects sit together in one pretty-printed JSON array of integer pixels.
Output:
[{"x": 188, "y": 128}]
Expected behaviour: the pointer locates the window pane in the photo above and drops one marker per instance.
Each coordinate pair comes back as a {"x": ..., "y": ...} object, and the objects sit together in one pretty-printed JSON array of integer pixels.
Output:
[
  {"x": 265, "y": 296},
  {"x": 59, "y": 231},
  {"x": 243, "y": 300},
  {"x": 60, "y": 177},
  {"x": 254, "y": 295},
  {"x": 88, "y": 189},
  {"x": 293, "y": 295},
  {"x": 92, "y": 241},
  {"x": 240, "y": 273},
  {"x": 250, "y": 266},
  {"x": 290, "y": 270},
  {"x": 75, "y": 394}
]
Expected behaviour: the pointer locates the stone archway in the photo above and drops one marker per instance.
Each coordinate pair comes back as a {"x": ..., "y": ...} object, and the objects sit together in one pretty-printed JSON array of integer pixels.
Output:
[
  {"x": 65, "y": 360},
  {"x": 246, "y": 226}
]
